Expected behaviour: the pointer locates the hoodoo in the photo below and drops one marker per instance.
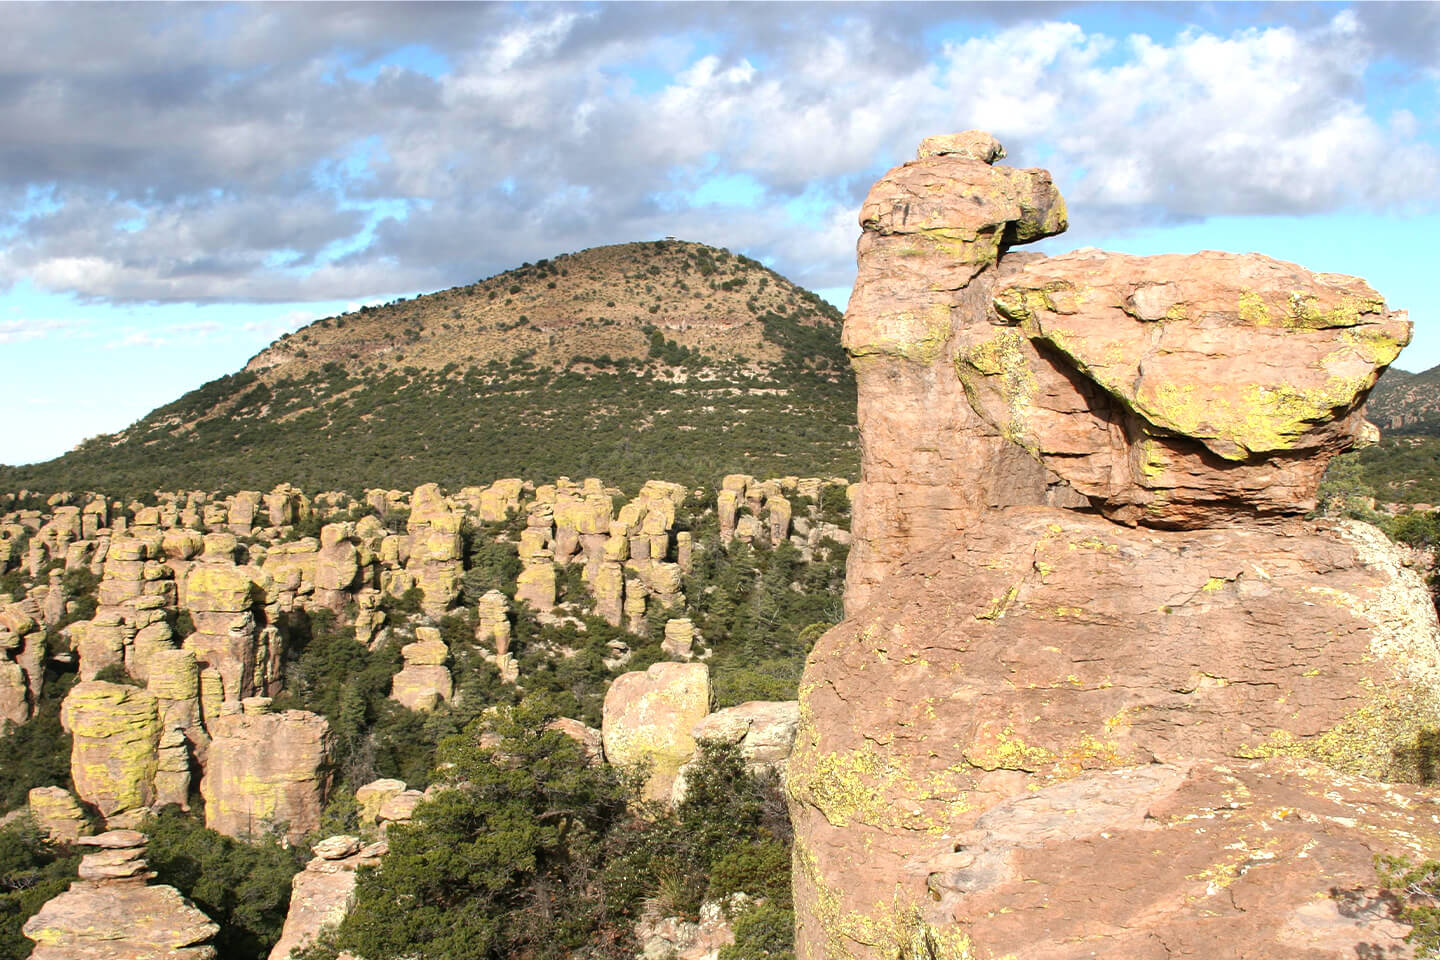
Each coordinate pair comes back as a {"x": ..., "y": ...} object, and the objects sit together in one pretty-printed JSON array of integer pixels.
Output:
[{"x": 1103, "y": 690}]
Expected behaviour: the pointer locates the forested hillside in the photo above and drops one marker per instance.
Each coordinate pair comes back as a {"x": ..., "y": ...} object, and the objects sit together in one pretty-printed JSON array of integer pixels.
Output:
[{"x": 647, "y": 359}]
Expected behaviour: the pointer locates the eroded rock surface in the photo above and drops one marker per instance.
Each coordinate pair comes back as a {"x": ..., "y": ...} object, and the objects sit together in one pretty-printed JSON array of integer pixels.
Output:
[
  {"x": 1116, "y": 696},
  {"x": 115, "y": 731},
  {"x": 266, "y": 772},
  {"x": 322, "y": 894},
  {"x": 113, "y": 913}
]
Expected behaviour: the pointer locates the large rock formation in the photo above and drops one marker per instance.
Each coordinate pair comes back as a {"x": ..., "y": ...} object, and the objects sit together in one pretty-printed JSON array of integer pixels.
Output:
[
  {"x": 267, "y": 772},
  {"x": 322, "y": 894},
  {"x": 226, "y": 601},
  {"x": 1117, "y": 697},
  {"x": 113, "y": 913},
  {"x": 435, "y": 549},
  {"x": 115, "y": 731},
  {"x": 648, "y": 717},
  {"x": 22, "y": 659}
]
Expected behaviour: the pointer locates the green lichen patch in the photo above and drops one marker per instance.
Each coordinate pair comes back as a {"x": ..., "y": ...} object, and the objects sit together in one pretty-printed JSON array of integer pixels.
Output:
[
  {"x": 865, "y": 786},
  {"x": 1002, "y": 362},
  {"x": 895, "y": 928},
  {"x": 1392, "y": 737},
  {"x": 1306, "y": 313}
]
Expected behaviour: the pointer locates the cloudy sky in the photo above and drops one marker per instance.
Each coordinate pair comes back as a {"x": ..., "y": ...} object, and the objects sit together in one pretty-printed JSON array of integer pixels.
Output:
[{"x": 181, "y": 183}]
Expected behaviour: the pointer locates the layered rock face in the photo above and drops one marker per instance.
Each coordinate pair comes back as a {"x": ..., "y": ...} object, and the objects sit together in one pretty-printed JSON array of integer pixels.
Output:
[
  {"x": 1115, "y": 697},
  {"x": 267, "y": 771},
  {"x": 322, "y": 894},
  {"x": 113, "y": 913}
]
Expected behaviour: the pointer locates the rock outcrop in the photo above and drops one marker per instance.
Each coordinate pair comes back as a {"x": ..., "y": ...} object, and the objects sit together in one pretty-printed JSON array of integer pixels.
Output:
[
  {"x": 113, "y": 913},
  {"x": 323, "y": 893},
  {"x": 267, "y": 772},
  {"x": 1117, "y": 696},
  {"x": 648, "y": 717}
]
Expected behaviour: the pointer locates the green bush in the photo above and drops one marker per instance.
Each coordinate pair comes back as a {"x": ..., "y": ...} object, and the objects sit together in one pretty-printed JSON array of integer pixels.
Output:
[
  {"x": 32, "y": 871},
  {"x": 244, "y": 887},
  {"x": 1417, "y": 889},
  {"x": 499, "y": 863},
  {"x": 764, "y": 932},
  {"x": 36, "y": 753}
]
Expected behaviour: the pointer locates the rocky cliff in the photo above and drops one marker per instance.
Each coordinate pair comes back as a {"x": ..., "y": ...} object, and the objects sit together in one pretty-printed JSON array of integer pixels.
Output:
[{"x": 1102, "y": 689}]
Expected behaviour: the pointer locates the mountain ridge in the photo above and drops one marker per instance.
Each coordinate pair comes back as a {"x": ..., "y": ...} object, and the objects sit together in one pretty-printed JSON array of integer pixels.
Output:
[
  {"x": 632, "y": 360},
  {"x": 1406, "y": 403}
]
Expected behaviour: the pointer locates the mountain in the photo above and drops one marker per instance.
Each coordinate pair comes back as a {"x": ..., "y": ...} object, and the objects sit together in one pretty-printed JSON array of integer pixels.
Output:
[
  {"x": 630, "y": 361},
  {"x": 1407, "y": 403}
]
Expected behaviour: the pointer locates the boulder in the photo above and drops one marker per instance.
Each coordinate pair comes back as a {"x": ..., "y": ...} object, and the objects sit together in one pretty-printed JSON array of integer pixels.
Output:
[
  {"x": 591, "y": 741},
  {"x": 1116, "y": 697},
  {"x": 762, "y": 730},
  {"x": 56, "y": 812},
  {"x": 371, "y": 797},
  {"x": 648, "y": 716}
]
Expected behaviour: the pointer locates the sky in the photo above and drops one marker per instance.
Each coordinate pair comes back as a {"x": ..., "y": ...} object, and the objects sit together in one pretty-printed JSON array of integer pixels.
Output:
[{"x": 182, "y": 183}]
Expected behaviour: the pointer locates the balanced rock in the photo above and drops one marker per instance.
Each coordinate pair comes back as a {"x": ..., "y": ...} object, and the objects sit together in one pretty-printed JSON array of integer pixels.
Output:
[
  {"x": 111, "y": 913},
  {"x": 1117, "y": 697},
  {"x": 648, "y": 716}
]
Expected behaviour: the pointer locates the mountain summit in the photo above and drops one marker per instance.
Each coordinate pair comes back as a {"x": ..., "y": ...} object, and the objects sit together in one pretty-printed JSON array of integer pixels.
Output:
[{"x": 662, "y": 358}]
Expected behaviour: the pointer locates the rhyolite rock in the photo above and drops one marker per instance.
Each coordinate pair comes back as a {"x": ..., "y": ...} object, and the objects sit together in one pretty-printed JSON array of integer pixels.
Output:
[
  {"x": 113, "y": 913},
  {"x": 57, "y": 814},
  {"x": 371, "y": 797},
  {"x": 435, "y": 548},
  {"x": 322, "y": 894},
  {"x": 648, "y": 716},
  {"x": 115, "y": 742},
  {"x": 424, "y": 682},
  {"x": 226, "y": 602},
  {"x": 762, "y": 731},
  {"x": 1102, "y": 690},
  {"x": 266, "y": 772}
]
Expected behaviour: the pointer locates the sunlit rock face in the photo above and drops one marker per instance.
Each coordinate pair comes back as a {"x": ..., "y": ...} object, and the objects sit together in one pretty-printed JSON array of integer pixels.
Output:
[{"x": 1103, "y": 690}]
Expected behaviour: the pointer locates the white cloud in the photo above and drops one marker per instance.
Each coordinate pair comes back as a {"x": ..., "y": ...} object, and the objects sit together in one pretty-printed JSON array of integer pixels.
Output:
[
  {"x": 14, "y": 331},
  {"x": 238, "y": 163}
]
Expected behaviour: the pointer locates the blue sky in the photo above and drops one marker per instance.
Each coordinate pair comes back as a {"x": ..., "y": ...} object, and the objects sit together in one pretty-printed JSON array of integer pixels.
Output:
[{"x": 180, "y": 184}]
